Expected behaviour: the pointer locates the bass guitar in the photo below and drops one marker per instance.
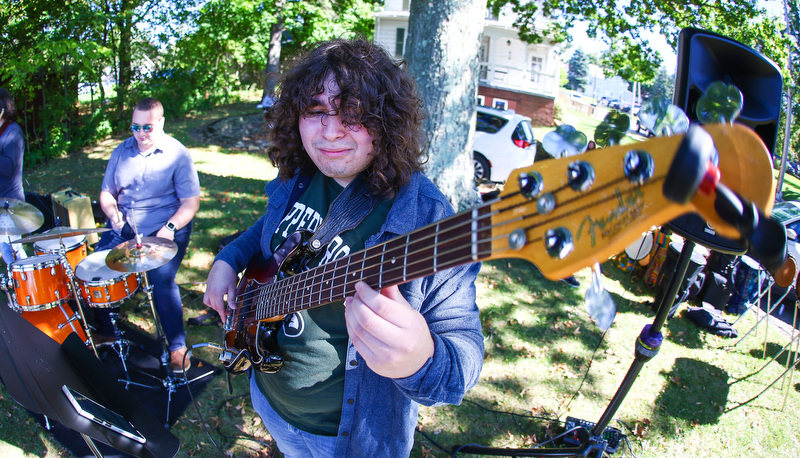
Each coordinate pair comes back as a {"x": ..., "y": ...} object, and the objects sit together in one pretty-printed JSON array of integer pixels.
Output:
[{"x": 561, "y": 214}]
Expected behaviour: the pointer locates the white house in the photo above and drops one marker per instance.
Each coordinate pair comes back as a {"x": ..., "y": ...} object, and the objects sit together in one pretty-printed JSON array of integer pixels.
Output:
[{"x": 513, "y": 75}]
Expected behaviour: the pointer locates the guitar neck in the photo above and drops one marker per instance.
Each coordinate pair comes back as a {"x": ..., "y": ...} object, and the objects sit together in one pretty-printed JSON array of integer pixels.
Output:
[
  {"x": 460, "y": 239},
  {"x": 562, "y": 224}
]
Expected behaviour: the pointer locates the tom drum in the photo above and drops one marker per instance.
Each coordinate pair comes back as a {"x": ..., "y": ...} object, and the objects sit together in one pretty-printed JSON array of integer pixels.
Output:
[
  {"x": 101, "y": 286},
  {"x": 39, "y": 282},
  {"x": 74, "y": 248}
]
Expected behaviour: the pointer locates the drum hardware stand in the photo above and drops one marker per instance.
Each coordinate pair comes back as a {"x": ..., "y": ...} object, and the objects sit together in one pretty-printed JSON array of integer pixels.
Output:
[
  {"x": 121, "y": 347},
  {"x": 70, "y": 275},
  {"x": 171, "y": 381}
]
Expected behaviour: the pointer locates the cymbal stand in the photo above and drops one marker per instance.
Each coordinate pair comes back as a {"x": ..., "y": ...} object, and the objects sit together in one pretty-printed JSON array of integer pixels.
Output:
[
  {"x": 171, "y": 381},
  {"x": 80, "y": 314}
]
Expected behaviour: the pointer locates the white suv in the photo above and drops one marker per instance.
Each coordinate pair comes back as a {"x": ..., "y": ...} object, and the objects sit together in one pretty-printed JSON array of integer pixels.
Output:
[{"x": 503, "y": 142}]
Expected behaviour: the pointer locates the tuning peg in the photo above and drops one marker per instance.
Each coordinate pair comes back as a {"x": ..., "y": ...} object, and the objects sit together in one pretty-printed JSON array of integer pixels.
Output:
[
  {"x": 721, "y": 103},
  {"x": 766, "y": 237},
  {"x": 610, "y": 132},
  {"x": 662, "y": 117},
  {"x": 564, "y": 141}
]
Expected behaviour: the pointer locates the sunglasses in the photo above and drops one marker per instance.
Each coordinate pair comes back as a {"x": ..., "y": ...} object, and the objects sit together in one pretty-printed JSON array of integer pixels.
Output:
[{"x": 147, "y": 128}]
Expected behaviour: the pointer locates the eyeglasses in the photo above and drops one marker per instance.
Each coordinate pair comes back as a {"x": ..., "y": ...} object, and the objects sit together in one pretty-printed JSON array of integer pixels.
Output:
[{"x": 147, "y": 128}]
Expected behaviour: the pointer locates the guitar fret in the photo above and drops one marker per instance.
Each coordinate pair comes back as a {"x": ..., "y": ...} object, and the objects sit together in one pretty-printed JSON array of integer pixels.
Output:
[
  {"x": 363, "y": 263},
  {"x": 346, "y": 274},
  {"x": 405, "y": 257},
  {"x": 435, "y": 247},
  {"x": 332, "y": 281},
  {"x": 380, "y": 275},
  {"x": 308, "y": 290},
  {"x": 474, "y": 238},
  {"x": 322, "y": 282}
]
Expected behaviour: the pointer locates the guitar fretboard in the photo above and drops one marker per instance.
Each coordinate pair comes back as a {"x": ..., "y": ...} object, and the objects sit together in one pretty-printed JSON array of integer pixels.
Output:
[{"x": 457, "y": 240}]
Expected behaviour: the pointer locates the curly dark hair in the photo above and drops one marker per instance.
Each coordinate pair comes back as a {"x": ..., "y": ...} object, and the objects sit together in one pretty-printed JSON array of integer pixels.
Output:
[
  {"x": 7, "y": 104},
  {"x": 376, "y": 92}
]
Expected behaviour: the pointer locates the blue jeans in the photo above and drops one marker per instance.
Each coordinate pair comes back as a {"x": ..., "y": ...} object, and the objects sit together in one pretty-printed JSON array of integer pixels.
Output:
[
  {"x": 166, "y": 295},
  {"x": 292, "y": 442}
]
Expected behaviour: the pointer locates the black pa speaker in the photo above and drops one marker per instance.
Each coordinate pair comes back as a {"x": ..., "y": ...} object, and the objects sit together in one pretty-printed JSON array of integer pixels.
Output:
[{"x": 703, "y": 58}]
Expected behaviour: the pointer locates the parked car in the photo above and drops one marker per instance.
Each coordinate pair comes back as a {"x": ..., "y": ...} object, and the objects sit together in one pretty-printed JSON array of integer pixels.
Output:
[
  {"x": 788, "y": 214},
  {"x": 503, "y": 142}
]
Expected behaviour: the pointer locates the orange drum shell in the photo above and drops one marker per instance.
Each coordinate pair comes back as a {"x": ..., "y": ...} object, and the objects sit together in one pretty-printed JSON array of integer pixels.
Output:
[
  {"x": 106, "y": 293},
  {"x": 74, "y": 254},
  {"x": 48, "y": 321},
  {"x": 39, "y": 287}
]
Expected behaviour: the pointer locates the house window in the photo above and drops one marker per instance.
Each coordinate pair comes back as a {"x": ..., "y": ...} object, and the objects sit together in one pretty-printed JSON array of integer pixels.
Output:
[
  {"x": 399, "y": 44},
  {"x": 481, "y": 101},
  {"x": 500, "y": 104},
  {"x": 536, "y": 68}
]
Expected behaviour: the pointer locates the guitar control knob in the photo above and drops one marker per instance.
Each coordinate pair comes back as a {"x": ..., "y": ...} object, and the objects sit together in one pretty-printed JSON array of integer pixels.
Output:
[
  {"x": 530, "y": 185},
  {"x": 580, "y": 175},
  {"x": 558, "y": 242},
  {"x": 638, "y": 166}
]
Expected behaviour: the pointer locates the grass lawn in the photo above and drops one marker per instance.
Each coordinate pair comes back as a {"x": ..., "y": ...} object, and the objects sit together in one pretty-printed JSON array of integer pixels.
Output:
[{"x": 545, "y": 358}]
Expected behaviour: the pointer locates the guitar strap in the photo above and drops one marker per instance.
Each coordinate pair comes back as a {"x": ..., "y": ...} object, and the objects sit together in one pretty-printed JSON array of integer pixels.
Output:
[{"x": 345, "y": 212}]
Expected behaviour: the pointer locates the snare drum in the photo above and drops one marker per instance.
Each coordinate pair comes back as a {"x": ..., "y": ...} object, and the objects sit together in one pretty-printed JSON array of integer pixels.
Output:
[
  {"x": 39, "y": 282},
  {"x": 101, "y": 286},
  {"x": 56, "y": 322},
  {"x": 74, "y": 248}
]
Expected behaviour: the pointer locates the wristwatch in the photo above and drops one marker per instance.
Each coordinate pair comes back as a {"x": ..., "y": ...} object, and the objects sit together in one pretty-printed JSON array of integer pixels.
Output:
[{"x": 171, "y": 226}]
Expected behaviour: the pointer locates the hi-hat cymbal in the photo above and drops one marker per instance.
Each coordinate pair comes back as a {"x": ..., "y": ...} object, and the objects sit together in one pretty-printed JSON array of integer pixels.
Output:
[
  {"x": 18, "y": 217},
  {"x": 61, "y": 232},
  {"x": 129, "y": 257}
]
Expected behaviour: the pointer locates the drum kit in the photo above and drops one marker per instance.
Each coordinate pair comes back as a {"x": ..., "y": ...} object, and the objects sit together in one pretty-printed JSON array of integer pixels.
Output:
[{"x": 40, "y": 287}]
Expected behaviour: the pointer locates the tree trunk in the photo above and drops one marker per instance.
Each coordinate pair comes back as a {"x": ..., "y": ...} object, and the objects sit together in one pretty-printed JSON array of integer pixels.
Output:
[
  {"x": 123, "y": 84},
  {"x": 442, "y": 51},
  {"x": 273, "y": 58}
]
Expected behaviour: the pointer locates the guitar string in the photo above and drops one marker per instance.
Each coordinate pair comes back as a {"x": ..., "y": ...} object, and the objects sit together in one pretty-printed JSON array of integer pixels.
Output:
[
  {"x": 378, "y": 252},
  {"x": 400, "y": 273},
  {"x": 286, "y": 294}
]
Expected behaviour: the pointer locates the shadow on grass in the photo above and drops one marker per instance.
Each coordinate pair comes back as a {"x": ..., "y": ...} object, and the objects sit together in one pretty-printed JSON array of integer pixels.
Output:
[
  {"x": 695, "y": 394},
  {"x": 783, "y": 356}
]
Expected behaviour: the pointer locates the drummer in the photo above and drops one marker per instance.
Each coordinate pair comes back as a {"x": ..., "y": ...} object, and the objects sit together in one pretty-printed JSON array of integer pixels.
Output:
[
  {"x": 12, "y": 149},
  {"x": 151, "y": 185}
]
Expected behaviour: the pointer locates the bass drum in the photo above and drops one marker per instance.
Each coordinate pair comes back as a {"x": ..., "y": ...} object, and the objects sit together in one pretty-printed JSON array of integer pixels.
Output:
[{"x": 57, "y": 322}]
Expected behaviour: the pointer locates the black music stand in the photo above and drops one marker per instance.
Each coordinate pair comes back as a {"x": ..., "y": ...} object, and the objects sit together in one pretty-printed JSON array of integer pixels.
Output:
[{"x": 34, "y": 367}]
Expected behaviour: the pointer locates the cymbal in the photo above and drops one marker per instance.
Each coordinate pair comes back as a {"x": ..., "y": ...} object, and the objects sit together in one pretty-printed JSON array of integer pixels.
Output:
[
  {"x": 18, "y": 217},
  {"x": 61, "y": 232},
  {"x": 154, "y": 252}
]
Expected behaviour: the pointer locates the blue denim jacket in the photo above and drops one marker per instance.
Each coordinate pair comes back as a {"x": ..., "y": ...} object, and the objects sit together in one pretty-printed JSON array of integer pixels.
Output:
[{"x": 379, "y": 414}]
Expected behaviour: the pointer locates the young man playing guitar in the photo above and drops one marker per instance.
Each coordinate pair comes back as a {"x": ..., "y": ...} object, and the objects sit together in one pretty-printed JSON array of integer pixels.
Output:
[{"x": 353, "y": 371}]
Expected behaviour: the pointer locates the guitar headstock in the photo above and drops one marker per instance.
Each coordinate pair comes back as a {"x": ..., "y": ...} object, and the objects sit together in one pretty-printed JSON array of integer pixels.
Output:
[{"x": 566, "y": 214}]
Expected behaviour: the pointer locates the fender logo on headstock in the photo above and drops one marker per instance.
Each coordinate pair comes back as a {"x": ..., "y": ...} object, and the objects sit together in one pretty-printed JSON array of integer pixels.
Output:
[{"x": 629, "y": 208}]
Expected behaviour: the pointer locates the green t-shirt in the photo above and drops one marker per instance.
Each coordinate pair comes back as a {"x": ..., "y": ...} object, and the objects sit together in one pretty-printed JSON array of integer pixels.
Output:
[{"x": 307, "y": 392}]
